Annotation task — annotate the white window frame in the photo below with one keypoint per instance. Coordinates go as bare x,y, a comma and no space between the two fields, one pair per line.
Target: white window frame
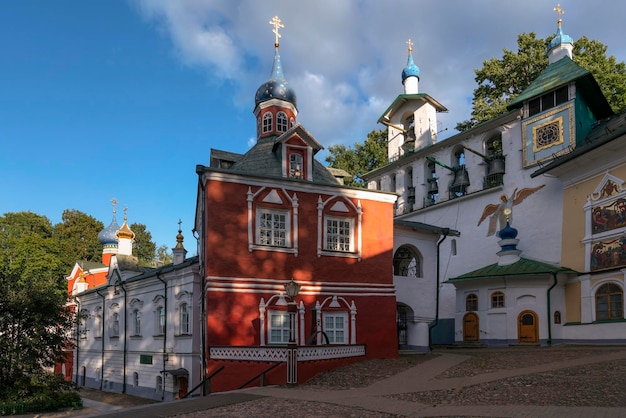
137,322
115,325
260,212
281,122
267,122
282,328
185,318
337,247
332,331
296,165
159,328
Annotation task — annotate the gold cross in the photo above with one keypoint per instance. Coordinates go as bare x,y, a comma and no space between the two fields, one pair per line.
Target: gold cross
559,12
410,44
277,25
179,223
114,202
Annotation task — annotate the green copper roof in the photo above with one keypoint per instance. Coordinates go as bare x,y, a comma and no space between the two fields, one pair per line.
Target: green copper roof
523,267
403,98
559,74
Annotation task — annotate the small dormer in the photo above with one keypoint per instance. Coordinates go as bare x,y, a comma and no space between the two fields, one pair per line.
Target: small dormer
296,149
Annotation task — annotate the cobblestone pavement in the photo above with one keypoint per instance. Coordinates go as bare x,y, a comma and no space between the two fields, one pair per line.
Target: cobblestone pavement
557,381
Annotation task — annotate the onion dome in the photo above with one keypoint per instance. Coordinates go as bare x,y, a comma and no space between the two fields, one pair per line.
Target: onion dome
411,70
560,39
107,235
125,232
276,87
508,232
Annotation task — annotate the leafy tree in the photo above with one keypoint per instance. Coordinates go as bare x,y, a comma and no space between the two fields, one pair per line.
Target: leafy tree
77,237
164,255
361,158
35,323
501,80
143,248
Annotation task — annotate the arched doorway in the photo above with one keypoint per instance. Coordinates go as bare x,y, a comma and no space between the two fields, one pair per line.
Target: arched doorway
527,328
404,315
470,327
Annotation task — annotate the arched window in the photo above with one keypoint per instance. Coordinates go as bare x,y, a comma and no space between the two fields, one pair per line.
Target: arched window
159,384
267,122
497,300
495,162
609,302
557,317
137,322
407,262
471,302
135,379
281,122
184,319
115,325
461,177
160,321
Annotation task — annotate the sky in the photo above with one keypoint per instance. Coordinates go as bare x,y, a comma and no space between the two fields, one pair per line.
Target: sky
123,98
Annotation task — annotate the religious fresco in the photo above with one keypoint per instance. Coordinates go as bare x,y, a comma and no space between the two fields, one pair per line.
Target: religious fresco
609,216
611,253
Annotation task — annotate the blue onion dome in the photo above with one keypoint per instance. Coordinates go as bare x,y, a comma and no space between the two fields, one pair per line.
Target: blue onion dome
107,235
411,70
276,87
560,39
508,232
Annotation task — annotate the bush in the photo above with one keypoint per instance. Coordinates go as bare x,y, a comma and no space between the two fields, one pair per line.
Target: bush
42,392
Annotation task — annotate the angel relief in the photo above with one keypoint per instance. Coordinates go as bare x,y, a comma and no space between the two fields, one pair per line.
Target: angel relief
496,214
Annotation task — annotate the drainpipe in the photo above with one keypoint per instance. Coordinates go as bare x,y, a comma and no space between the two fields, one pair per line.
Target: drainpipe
164,332
445,232
549,310
102,338
201,241
77,301
121,283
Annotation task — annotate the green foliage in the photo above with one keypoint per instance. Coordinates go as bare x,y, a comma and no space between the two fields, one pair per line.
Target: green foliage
501,80
77,238
361,158
49,393
143,248
164,255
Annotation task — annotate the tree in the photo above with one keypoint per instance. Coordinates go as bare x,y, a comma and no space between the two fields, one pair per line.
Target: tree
164,255
143,248
501,80
35,322
77,237
361,158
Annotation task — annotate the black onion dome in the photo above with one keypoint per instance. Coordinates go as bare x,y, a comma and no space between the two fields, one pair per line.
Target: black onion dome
276,87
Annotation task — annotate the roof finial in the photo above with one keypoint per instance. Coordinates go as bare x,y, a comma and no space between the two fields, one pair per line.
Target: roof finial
277,25
125,210
114,202
559,12
179,237
410,44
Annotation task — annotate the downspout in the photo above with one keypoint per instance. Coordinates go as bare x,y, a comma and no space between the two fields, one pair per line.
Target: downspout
200,245
445,232
77,335
549,309
102,338
121,283
164,332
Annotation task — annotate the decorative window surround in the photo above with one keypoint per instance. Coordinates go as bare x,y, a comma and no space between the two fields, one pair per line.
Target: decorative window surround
277,304
336,302
291,222
341,210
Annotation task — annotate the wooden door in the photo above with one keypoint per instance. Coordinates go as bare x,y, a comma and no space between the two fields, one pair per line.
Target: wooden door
527,328
182,387
470,327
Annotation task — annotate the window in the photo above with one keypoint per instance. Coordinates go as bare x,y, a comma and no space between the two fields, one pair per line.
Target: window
548,101
471,302
279,327
159,384
160,321
184,319
339,234
115,325
267,122
296,169
497,300
281,122
272,228
557,317
407,262
135,379
609,302
137,322
393,183
335,327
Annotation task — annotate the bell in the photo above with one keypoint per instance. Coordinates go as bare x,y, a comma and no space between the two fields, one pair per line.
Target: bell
433,187
496,166
461,179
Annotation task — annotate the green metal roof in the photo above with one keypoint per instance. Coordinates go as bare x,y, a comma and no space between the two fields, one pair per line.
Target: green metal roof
523,267
403,98
559,74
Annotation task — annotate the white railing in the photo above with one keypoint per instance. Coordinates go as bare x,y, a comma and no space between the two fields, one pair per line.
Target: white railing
274,354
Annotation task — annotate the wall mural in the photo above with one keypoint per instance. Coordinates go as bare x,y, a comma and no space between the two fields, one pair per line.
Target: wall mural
609,214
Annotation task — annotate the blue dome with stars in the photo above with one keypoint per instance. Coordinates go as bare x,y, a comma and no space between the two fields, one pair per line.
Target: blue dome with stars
411,70
107,235
276,87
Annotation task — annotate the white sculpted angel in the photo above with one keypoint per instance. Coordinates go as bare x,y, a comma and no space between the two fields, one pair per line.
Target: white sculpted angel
496,211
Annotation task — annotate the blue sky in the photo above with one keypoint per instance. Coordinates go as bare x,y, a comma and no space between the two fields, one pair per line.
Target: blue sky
120,98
